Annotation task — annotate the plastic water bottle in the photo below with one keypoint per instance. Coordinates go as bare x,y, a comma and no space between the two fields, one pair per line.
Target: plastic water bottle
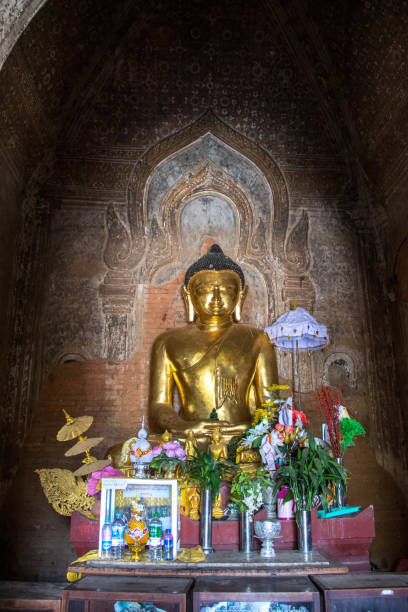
155,542
106,535
118,539
168,546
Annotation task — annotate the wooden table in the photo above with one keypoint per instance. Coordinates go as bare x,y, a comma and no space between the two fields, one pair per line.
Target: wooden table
297,591
99,593
31,596
376,591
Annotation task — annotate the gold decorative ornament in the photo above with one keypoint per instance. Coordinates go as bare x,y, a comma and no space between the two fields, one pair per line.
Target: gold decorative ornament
194,501
191,444
74,427
91,466
218,448
65,492
217,509
84,444
136,533
191,555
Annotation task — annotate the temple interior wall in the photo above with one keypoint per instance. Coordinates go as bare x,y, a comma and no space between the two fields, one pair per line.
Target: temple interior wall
181,131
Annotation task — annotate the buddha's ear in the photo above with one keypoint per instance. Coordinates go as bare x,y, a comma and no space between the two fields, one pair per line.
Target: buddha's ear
240,303
188,304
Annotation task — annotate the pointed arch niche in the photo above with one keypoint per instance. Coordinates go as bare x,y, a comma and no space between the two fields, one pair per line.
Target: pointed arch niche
205,191
210,183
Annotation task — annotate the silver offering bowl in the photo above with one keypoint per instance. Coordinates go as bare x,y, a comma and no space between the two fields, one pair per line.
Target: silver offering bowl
267,531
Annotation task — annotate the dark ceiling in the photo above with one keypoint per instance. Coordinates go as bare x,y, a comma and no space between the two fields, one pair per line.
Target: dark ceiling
301,78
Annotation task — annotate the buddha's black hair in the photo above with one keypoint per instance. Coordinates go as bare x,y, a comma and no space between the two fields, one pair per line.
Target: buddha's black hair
214,260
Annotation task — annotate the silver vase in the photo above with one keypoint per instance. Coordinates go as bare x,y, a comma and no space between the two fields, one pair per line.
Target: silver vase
269,502
205,522
246,540
304,524
339,501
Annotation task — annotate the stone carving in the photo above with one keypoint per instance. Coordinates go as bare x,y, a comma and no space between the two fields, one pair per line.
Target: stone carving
339,371
118,292
205,179
299,289
297,251
118,245
124,251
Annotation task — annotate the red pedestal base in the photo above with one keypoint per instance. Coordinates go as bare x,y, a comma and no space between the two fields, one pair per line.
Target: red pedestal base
344,539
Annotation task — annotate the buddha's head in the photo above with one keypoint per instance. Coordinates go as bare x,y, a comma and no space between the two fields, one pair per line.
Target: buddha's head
214,288
216,436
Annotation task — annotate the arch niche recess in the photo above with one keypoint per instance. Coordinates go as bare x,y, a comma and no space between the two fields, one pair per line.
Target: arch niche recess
209,181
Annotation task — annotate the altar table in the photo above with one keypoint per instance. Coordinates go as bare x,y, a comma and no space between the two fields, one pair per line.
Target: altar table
344,539
221,563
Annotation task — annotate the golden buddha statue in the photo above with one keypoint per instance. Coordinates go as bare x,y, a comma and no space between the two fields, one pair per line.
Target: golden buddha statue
215,362
191,444
217,447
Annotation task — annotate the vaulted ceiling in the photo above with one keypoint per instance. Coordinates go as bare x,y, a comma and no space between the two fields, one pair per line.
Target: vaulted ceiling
89,74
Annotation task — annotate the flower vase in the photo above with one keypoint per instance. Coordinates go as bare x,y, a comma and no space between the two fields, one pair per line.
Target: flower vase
339,501
246,542
304,525
205,522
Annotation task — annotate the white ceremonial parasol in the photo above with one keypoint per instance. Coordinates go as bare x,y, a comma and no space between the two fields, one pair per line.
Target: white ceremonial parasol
297,331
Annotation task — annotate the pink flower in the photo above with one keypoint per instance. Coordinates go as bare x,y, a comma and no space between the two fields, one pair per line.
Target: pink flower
173,449
281,436
288,429
279,427
181,454
170,448
95,478
157,450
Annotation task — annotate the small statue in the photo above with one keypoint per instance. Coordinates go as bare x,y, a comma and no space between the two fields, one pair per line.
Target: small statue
249,459
190,444
194,505
166,437
217,509
218,448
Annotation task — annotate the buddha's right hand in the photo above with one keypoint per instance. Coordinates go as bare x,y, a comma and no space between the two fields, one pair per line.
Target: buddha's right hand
203,429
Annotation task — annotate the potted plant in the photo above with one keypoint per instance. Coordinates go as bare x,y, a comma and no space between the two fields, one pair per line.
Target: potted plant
307,473
207,473
169,460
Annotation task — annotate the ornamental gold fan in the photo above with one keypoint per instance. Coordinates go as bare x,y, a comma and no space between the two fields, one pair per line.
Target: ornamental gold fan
84,444
93,466
73,427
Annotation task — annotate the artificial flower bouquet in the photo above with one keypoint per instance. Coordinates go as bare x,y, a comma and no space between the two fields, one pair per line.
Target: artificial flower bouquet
275,424
247,490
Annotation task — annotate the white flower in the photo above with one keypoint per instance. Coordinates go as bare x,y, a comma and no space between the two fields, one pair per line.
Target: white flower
254,499
255,432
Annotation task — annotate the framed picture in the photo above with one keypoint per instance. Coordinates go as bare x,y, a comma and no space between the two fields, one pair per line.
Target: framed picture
157,496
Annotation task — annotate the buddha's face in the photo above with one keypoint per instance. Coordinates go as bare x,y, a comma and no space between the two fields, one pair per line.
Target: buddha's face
214,293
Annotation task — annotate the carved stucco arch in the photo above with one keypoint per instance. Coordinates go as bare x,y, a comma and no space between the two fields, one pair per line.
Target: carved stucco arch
143,169
208,179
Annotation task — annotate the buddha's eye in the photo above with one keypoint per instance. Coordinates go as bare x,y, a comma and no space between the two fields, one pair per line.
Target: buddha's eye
230,289
203,289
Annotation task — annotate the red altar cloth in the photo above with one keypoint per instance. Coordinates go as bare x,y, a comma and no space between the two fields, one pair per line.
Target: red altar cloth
345,539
